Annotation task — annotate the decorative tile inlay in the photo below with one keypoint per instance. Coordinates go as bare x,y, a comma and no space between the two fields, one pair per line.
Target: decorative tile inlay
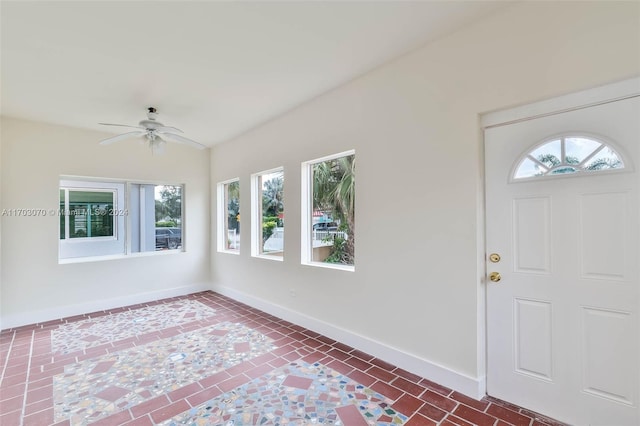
90,390
295,394
79,335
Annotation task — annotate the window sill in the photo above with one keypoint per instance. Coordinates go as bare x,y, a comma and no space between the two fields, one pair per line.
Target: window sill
270,257
87,259
349,268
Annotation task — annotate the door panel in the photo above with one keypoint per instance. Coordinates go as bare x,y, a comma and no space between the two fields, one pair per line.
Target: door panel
563,328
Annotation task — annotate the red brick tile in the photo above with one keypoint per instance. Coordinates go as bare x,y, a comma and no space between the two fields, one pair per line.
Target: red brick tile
262,359
418,420
383,364
10,418
149,406
279,362
291,356
240,368
214,379
362,378
452,420
435,387
312,343
358,363
350,415
474,416
12,391
381,374
439,401
297,382
314,357
204,396
407,386
41,418
407,375
39,394
326,340
338,354
432,412
508,415
259,371
283,350
169,411
114,419
36,406
298,336
478,405
233,383
362,355
387,390
407,405
12,404
342,347
184,391
340,367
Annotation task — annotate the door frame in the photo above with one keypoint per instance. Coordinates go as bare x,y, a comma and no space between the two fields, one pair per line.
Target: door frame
599,95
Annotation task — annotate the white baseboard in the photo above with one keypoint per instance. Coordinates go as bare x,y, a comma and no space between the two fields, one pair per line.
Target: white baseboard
33,317
473,387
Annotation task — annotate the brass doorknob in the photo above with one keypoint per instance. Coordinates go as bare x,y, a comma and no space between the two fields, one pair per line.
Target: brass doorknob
495,277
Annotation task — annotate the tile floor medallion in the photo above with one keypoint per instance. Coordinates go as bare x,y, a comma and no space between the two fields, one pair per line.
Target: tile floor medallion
96,388
296,394
80,335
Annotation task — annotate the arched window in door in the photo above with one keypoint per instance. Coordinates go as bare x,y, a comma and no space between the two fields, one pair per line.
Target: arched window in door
567,155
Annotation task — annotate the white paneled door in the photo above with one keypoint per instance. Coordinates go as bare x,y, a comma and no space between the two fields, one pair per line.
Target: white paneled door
563,299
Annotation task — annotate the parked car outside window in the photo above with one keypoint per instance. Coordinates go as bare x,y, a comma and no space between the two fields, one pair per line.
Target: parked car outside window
168,238
325,226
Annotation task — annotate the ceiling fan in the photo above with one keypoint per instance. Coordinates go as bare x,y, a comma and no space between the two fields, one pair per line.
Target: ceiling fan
154,131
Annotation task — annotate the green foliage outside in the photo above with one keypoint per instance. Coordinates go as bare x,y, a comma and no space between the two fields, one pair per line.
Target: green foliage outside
166,224
169,205
550,161
334,191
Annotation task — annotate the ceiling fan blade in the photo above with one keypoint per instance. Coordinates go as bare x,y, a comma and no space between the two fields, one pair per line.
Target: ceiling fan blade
183,140
122,136
121,125
166,129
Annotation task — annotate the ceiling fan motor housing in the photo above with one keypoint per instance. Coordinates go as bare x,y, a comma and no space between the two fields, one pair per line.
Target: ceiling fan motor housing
152,113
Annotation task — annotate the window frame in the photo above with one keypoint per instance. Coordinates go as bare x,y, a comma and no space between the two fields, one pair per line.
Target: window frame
72,249
306,210
580,172
222,214
68,249
257,246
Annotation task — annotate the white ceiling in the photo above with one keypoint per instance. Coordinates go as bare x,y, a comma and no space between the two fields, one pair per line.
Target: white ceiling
213,69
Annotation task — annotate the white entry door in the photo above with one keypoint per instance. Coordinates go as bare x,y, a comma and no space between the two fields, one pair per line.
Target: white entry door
563,326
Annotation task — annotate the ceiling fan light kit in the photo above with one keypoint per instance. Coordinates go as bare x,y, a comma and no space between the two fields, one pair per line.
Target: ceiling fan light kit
156,133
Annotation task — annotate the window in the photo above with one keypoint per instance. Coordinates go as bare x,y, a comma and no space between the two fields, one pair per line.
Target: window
156,217
328,213
267,214
92,219
229,216
96,219
568,155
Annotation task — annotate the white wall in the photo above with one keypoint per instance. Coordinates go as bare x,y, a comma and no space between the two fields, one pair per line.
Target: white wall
34,286
416,296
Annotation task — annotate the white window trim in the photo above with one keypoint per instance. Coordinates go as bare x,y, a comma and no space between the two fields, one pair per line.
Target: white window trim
606,143
306,209
256,216
82,182
222,216
69,248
